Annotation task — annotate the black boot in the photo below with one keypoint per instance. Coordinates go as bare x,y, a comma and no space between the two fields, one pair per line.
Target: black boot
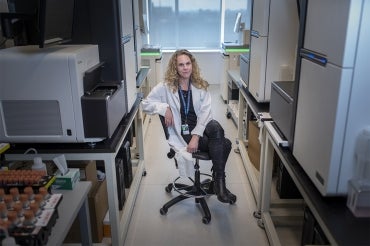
223,194
231,196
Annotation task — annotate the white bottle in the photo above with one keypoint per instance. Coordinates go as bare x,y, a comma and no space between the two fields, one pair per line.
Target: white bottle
38,164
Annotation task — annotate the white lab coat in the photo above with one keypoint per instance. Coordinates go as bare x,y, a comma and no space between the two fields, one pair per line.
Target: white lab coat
161,97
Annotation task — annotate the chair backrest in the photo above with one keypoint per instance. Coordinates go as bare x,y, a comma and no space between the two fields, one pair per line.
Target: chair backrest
165,129
171,153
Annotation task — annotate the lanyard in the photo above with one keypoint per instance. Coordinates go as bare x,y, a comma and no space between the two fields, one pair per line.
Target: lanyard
187,104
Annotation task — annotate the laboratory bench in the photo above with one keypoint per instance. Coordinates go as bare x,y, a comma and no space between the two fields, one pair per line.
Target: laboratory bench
74,203
71,204
144,86
105,151
232,102
332,221
249,109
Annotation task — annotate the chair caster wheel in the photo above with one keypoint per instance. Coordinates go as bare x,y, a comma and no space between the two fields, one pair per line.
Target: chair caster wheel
168,188
163,211
144,173
257,214
206,220
228,115
232,200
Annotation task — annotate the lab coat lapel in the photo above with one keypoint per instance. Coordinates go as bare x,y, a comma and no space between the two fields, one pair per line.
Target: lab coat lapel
174,101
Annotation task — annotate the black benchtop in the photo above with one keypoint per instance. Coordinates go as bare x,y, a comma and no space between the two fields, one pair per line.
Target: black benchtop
141,75
257,107
342,224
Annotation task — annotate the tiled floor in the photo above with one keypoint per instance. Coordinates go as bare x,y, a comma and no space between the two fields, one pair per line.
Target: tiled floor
231,224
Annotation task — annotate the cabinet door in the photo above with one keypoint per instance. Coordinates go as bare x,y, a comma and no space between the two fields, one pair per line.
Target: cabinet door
260,16
128,46
257,69
332,29
322,108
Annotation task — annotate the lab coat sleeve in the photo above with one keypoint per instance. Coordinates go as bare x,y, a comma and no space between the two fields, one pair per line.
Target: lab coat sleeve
155,102
204,114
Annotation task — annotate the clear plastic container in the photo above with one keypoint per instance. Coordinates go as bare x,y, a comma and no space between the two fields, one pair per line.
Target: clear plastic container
358,200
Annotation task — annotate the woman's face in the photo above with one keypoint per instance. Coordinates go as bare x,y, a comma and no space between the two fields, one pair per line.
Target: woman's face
184,66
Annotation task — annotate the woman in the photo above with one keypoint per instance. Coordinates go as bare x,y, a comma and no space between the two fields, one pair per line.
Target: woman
185,103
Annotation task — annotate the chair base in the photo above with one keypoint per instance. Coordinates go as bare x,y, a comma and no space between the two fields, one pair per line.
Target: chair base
205,187
199,191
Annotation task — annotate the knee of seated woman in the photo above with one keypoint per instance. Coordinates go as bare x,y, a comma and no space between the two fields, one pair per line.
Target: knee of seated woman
214,130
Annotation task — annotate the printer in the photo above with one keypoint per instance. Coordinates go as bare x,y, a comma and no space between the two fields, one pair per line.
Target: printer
55,95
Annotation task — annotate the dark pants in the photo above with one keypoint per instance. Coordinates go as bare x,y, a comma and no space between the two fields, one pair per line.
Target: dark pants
215,143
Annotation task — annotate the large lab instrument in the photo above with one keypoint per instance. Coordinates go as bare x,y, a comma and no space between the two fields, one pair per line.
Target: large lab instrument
333,96
55,95
273,45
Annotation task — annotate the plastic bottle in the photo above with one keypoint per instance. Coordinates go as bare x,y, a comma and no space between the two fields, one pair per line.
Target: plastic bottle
38,164
358,200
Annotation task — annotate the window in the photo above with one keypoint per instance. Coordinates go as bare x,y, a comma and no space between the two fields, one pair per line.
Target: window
232,8
193,24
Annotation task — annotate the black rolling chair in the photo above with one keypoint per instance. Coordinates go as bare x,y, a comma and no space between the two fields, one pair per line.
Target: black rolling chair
198,189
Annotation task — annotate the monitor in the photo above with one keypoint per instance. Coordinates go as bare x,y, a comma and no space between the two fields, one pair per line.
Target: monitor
99,22
38,22
55,21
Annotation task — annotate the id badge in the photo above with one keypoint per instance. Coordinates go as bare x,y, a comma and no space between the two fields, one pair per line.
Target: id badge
185,129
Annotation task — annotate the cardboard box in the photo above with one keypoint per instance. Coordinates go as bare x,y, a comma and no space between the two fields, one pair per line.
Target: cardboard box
98,207
106,225
68,181
254,146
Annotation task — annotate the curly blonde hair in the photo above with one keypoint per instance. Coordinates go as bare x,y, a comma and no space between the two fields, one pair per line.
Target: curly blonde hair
172,76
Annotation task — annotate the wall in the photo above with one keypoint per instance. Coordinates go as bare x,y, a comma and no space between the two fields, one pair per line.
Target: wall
210,64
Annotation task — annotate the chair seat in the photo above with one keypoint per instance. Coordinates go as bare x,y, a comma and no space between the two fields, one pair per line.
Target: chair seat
201,156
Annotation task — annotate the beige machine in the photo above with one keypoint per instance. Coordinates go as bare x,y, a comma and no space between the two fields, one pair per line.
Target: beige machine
55,95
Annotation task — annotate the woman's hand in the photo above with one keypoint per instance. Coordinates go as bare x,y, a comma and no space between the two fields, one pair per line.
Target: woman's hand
193,144
168,117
